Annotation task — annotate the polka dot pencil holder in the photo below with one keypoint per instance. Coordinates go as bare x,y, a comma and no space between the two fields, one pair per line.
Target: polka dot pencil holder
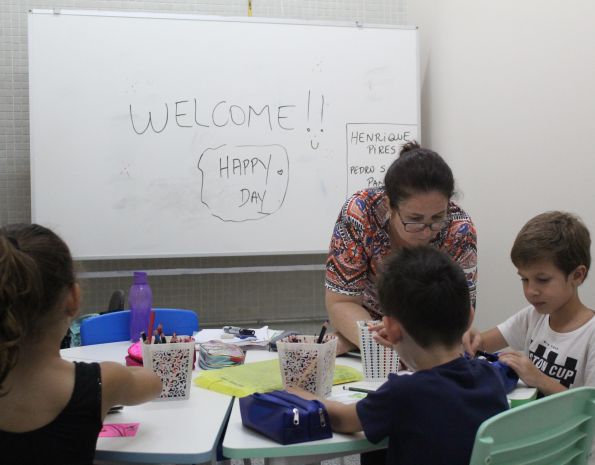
305,363
174,364
377,360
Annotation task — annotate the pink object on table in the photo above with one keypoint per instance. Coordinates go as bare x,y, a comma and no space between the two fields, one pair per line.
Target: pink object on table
135,352
131,362
118,430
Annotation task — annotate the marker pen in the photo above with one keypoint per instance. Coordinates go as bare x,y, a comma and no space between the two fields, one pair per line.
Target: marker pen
356,389
238,331
488,356
115,408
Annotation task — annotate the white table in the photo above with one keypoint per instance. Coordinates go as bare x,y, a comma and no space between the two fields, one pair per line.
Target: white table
241,443
176,431
188,431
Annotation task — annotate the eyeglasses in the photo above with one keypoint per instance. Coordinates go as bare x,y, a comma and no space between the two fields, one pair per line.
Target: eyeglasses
415,227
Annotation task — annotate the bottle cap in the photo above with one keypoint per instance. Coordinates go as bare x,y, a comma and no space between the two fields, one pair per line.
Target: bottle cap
140,277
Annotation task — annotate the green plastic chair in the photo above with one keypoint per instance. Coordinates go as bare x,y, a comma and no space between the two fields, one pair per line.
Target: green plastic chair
554,430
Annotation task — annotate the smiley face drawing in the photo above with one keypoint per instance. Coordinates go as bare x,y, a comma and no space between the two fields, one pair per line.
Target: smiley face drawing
314,135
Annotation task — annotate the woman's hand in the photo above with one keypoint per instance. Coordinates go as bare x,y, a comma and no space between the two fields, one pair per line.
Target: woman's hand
379,334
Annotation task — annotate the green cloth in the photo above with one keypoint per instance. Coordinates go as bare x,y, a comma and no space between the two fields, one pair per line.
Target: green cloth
243,380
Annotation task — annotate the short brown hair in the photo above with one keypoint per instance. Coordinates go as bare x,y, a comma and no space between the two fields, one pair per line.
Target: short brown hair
557,236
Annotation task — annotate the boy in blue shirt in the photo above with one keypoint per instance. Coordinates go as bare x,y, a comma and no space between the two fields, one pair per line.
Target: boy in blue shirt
430,417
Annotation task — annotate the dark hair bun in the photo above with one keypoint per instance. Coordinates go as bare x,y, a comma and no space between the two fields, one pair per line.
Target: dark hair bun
417,170
409,146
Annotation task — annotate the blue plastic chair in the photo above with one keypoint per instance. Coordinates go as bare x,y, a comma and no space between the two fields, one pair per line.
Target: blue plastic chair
554,430
115,326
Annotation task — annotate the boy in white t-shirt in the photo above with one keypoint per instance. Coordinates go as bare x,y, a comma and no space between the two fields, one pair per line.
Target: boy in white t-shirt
553,339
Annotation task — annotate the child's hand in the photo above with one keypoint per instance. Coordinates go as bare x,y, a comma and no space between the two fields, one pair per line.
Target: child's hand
472,341
530,374
302,393
520,363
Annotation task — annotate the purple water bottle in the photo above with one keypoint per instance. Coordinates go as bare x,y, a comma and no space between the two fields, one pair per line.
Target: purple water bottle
140,299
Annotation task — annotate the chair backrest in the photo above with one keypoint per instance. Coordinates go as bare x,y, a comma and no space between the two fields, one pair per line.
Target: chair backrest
117,301
554,430
115,326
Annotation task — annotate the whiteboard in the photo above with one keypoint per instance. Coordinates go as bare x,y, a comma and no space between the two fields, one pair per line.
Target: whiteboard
156,135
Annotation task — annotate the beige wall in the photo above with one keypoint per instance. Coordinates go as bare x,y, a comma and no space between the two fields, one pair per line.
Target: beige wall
508,97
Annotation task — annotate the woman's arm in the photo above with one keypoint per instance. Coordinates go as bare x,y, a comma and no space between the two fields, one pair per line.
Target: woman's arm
344,311
462,246
127,385
347,268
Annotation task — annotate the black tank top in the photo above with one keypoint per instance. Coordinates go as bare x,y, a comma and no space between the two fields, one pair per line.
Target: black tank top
70,439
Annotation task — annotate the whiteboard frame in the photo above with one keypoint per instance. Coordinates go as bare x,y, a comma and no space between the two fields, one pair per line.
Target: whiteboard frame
231,19
218,18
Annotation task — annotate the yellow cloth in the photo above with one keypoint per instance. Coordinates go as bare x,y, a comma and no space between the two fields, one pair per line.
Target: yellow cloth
243,380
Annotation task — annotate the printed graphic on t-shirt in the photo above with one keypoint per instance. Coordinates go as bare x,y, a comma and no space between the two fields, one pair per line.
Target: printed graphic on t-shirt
565,374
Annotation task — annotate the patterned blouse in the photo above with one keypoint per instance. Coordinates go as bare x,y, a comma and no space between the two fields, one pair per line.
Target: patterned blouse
361,241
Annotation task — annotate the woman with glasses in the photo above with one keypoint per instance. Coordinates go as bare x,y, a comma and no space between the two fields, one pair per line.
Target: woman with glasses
414,207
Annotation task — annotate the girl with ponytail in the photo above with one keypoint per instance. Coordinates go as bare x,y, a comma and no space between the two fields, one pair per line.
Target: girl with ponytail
51,410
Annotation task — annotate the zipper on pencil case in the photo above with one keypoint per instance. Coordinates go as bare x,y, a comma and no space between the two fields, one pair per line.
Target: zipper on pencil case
274,400
303,403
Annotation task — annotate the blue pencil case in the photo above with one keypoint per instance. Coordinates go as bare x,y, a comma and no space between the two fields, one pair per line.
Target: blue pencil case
508,376
285,418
